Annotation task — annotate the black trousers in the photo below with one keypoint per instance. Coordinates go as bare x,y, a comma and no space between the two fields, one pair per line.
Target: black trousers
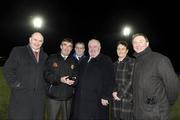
54,107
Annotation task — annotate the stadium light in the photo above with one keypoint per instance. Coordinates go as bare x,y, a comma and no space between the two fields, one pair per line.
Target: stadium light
126,31
37,22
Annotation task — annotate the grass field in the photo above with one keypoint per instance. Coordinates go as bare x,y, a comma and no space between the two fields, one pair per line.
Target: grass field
4,97
4,100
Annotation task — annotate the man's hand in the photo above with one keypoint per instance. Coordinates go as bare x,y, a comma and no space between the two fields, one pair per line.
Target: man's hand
66,80
114,94
104,102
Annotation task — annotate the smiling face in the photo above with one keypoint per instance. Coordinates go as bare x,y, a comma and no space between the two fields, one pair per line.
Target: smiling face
36,40
79,49
139,43
94,48
122,51
66,48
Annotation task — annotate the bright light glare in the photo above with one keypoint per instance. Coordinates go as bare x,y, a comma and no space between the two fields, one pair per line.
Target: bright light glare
37,22
126,31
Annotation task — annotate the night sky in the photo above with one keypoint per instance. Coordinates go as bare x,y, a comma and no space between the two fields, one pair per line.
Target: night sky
82,21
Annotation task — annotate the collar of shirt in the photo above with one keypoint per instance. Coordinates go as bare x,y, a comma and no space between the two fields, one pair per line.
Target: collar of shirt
65,57
78,57
35,50
121,59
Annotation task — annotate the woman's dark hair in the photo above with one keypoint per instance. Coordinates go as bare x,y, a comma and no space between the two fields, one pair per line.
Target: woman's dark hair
124,43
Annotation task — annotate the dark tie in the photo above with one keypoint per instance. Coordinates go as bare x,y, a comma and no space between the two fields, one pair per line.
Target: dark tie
36,55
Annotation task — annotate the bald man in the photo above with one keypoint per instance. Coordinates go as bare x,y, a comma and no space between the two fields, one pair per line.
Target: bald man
23,72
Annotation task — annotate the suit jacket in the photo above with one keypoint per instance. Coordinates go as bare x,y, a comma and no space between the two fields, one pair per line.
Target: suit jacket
22,71
25,77
78,60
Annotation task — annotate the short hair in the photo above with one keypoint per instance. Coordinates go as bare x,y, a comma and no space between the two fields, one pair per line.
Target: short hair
140,34
82,43
96,40
123,42
67,40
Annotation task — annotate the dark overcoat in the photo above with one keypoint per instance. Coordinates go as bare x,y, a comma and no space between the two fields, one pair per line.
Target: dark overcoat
25,77
155,86
96,81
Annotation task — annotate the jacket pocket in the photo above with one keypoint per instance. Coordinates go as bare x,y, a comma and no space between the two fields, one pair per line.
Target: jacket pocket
150,107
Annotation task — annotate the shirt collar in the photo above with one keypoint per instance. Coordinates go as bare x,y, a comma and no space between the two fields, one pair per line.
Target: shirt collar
78,57
35,50
65,57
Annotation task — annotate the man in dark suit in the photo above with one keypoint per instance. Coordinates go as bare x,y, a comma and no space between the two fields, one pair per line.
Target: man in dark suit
24,73
95,85
59,68
79,51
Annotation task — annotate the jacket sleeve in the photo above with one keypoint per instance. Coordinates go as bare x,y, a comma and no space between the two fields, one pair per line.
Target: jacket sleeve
51,72
10,69
170,80
108,80
75,73
127,90
115,87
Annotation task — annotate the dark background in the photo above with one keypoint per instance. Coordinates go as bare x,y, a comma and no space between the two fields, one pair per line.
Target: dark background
82,21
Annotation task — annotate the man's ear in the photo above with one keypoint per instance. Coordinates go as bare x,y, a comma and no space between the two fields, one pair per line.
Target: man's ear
30,39
127,50
147,43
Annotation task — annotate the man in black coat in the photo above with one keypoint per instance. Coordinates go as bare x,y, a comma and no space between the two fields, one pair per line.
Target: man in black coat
95,85
60,74
79,51
24,73
155,84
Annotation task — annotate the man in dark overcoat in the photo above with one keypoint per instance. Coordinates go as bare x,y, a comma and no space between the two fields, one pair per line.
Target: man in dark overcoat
155,83
23,71
95,85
